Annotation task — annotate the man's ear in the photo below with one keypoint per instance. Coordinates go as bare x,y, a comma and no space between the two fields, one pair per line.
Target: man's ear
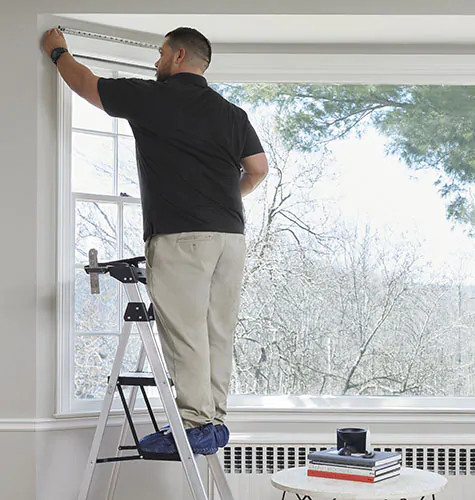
180,56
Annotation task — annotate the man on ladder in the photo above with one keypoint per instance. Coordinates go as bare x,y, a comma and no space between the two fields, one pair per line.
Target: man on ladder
197,155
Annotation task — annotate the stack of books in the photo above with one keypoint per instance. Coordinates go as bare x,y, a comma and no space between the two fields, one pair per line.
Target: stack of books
357,467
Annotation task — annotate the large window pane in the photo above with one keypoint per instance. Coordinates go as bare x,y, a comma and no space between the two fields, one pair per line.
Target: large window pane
128,176
96,227
89,117
96,313
93,359
92,164
356,283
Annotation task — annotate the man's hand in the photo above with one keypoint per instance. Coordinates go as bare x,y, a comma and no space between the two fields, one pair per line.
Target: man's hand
53,39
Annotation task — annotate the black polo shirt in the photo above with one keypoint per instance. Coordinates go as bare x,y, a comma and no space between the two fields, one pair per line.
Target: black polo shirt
189,143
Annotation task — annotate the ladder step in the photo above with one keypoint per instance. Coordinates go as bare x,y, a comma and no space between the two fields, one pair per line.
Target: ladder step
117,459
137,378
144,379
144,455
169,457
149,455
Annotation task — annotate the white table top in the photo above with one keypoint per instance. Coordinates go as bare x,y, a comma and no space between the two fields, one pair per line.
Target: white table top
411,483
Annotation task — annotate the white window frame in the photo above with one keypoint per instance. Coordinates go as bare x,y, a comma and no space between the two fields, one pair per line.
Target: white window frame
252,65
66,404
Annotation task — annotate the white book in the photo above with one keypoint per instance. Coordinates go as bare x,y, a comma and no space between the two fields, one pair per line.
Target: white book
360,471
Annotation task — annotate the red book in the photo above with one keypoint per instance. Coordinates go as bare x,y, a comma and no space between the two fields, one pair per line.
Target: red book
351,477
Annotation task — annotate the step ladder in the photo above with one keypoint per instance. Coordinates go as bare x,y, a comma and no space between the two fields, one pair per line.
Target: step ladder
128,272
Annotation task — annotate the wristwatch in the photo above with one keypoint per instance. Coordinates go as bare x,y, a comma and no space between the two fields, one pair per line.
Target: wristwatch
56,54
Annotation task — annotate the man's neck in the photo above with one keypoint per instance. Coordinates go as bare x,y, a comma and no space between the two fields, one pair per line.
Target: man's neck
193,71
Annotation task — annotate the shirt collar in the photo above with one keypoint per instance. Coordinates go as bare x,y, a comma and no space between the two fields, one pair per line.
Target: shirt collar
190,78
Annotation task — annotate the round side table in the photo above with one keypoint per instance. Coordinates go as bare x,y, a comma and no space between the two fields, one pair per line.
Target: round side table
411,483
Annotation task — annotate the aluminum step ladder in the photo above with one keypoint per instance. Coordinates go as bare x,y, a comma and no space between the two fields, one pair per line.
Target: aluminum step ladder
128,272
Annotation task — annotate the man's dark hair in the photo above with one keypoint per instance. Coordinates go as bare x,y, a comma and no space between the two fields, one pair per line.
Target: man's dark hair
193,41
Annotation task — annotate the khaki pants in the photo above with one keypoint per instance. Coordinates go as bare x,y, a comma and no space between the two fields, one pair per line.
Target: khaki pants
194,280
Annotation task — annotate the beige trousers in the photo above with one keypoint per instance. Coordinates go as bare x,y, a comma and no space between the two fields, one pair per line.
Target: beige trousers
194,280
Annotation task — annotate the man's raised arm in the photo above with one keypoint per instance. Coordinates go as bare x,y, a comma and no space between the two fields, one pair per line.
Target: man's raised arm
78,77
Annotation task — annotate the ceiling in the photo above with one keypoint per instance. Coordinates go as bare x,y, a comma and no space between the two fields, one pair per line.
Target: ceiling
364,29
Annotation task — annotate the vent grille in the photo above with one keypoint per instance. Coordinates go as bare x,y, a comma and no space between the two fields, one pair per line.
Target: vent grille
268,459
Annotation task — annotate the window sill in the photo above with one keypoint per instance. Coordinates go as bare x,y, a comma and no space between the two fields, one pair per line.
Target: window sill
323,409
336,404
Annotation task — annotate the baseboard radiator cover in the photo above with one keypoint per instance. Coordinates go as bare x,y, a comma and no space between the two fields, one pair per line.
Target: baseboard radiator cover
268,459
249,467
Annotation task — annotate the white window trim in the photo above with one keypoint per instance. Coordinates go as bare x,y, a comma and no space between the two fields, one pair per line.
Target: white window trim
250,66
65,403
294,63
65,317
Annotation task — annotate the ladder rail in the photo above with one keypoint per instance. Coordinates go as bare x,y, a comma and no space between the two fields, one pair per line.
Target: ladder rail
103,417
123,432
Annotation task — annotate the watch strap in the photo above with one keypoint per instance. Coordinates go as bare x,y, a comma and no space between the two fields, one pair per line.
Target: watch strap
56,54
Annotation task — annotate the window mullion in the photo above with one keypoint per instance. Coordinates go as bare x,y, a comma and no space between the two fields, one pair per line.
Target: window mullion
120,252
116,157
97,133
120,217
106,198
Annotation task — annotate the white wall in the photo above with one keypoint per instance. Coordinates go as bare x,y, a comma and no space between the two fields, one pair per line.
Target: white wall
48,465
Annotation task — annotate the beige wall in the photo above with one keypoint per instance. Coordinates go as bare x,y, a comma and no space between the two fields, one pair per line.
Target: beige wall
27,224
